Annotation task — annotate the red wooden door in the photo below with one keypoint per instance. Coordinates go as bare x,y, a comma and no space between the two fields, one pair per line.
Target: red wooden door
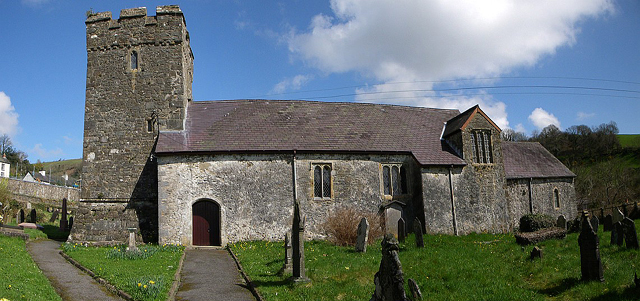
206,224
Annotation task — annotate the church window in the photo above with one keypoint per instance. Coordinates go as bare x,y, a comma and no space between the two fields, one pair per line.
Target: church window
134,60
394,180
556,198
149,125
322,181
481,146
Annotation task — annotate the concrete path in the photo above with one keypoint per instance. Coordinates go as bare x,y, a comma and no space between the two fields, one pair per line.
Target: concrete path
210,274
70,283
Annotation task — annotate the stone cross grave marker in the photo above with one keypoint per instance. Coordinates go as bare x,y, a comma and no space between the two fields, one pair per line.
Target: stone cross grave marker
617,215
608,223
64,226
132,239
402,230
595,223
417,229
287,267
561,222
363,234
617,235
590,262
389,280
630,234
54,216
33,216
297,243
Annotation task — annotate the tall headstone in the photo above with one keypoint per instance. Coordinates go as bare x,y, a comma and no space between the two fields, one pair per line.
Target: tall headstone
617,234
363,234
624,209
617,215
33,216
608,223
389,280
561,222
297,243
595,223
287,267
417,229
70,222
402,230
64,226
590,262
630,234
54,216
20,217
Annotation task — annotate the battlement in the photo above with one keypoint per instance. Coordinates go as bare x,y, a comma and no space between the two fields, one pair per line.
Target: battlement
138,12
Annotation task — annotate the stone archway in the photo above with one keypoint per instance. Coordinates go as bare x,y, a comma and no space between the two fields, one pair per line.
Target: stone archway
206,223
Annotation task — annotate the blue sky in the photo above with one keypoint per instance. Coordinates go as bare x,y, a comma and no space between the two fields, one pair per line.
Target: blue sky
527,63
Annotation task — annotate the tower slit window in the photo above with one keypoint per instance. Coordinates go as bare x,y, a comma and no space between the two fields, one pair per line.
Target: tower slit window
134,60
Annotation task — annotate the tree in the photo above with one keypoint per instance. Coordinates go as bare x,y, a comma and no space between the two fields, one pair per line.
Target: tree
511,135
5,144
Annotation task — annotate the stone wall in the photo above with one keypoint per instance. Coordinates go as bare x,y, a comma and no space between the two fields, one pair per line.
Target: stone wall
542,191
33,192
255,192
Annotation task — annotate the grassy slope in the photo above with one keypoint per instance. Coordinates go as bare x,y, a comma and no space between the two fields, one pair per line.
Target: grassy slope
473,267
629,140
20,278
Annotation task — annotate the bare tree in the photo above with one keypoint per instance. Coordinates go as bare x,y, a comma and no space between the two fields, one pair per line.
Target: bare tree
5,144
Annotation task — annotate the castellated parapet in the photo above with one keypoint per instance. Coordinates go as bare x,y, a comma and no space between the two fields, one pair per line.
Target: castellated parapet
139,77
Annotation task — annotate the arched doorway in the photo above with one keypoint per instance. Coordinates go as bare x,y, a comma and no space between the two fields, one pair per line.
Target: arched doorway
206,223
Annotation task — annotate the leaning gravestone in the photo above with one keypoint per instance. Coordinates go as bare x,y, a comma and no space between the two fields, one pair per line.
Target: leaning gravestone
608,223
54,216
415,289
363,234
590,262
595,223
617,215
417,229
561,222
402,230
535,253
33,217
389,280
630,234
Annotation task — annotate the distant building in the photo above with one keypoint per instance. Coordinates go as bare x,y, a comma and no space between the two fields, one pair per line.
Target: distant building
5,167
36,177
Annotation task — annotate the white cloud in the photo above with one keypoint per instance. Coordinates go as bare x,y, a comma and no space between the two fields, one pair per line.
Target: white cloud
34,3
45,154
294,83
582,115
520,128
541,118
415,40
8,116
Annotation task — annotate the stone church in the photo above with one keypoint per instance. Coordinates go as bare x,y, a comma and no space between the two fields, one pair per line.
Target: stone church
214,172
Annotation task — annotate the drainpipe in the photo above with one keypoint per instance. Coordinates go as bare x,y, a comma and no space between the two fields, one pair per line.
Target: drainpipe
295,174
453,203
530,197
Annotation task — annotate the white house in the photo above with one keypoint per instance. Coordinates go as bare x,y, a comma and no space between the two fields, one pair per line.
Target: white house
5,167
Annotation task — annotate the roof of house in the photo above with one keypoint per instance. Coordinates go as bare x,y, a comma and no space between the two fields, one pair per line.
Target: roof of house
4,159
461,121
531,160
287,125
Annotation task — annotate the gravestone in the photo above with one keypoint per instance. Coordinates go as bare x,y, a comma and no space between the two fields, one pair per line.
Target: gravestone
287,267
33,216
54,216
595,223
535,253
617,235
297,243
389,280
635,212
601,213
415,290
624,210
70,222
561,222
608,223
20,216
630,234
590,262
363,234
132,240
617,215
417,229
402,230
64,226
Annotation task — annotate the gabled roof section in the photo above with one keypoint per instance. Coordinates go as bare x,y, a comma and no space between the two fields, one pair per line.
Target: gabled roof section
461,121
531,160
242,126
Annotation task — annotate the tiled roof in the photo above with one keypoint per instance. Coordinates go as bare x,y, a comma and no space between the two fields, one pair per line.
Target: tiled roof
287,125
455,124
531,160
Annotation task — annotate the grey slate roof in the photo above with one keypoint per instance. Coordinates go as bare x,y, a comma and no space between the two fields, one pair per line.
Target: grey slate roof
287,125
531,160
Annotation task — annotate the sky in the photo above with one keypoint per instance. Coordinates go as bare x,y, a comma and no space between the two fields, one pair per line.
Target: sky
528,64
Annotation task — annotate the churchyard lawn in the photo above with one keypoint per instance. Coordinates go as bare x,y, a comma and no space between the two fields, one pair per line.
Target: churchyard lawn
472,267
20,278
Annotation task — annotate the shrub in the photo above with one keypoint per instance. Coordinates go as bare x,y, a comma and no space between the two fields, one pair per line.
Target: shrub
342,226
535,222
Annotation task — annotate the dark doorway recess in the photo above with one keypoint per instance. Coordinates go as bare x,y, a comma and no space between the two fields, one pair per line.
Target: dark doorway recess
206,223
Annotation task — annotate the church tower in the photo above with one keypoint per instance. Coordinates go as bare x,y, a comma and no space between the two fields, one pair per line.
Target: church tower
139,76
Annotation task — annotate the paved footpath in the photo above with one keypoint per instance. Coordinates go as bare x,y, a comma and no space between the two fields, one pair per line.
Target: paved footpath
70,282
210,274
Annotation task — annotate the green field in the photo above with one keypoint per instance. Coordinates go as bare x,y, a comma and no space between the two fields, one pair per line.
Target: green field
472,267
629,140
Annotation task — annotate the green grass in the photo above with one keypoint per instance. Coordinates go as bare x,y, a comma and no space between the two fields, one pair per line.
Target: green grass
20,278
472,267
629,140
143,277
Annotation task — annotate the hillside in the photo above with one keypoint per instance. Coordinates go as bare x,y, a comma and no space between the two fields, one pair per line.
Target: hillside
629,141
72,168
